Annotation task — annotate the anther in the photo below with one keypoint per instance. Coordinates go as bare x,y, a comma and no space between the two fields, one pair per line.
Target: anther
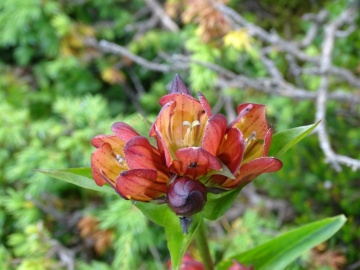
251,138
119,158
189,138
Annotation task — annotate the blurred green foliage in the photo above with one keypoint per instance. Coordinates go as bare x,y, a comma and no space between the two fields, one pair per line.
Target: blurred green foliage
57,93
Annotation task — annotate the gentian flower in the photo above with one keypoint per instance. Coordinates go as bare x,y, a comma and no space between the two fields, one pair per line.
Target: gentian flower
197,152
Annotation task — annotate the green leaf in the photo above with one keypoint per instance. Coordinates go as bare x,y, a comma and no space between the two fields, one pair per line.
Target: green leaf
81,177
154,212
177,241
284,140
281,251
218,204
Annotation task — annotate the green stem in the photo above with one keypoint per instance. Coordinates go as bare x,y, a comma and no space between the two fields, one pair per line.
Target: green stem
203,247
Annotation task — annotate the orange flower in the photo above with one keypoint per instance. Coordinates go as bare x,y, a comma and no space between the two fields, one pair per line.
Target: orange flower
129,163
247,158
196,143
196,152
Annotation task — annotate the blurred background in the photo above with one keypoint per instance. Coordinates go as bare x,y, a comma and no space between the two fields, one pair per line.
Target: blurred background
71,68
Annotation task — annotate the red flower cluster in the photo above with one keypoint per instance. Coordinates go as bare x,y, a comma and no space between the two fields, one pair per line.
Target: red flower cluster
196,151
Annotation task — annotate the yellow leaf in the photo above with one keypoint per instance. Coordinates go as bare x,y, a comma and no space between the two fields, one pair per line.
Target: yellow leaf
112,76
239,39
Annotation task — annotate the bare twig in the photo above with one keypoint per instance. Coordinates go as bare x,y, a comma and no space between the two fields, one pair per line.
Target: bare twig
106,46
317,20
271,67
325,64
166,21
66,255
295,70
143,26
275,83
137,83
272,38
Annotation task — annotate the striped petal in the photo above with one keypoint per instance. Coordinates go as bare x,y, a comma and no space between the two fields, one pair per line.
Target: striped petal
194,162
140,185
214,132
104,164
253,169
140,154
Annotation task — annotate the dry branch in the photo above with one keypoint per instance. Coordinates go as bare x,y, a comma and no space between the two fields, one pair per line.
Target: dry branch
275,83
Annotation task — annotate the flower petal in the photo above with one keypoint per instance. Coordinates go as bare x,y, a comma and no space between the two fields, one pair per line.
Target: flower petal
214,132
253,169
140,185
232,150
180,109
254,120
252,123
161,131
124,131
116,144
178,86
205,103
267,142
103,160
163,149
194,162
230,153
140,154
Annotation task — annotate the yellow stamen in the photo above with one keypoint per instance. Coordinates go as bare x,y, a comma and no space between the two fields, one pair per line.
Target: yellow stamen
119,158
251,138
190,134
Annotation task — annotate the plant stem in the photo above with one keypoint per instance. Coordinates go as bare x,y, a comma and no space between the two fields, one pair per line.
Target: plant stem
203,247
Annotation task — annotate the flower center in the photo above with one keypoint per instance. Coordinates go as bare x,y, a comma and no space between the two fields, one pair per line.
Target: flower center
190,134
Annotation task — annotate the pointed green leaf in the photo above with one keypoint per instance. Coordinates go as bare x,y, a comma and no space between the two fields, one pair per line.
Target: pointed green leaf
81,177
281,251
284,140
218,204
177,241
154,212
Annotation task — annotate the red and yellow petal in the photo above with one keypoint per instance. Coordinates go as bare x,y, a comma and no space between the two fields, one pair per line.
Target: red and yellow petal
140,185
205,104
252,169
140,154
124,131
116,144
180,108
231,153
232,149
267,142
161,127
214,132
103,161
253,120
194,162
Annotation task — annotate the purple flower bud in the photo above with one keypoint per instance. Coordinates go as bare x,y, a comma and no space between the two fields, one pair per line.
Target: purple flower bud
186,197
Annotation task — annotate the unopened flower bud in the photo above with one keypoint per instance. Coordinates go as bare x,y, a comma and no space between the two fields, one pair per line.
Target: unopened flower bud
186,197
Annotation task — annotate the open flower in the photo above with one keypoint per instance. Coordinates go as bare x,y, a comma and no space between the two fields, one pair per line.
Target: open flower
196,152
246,158
129,163
196,143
